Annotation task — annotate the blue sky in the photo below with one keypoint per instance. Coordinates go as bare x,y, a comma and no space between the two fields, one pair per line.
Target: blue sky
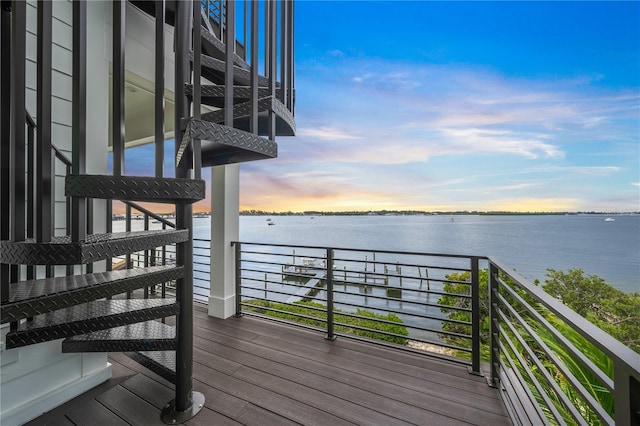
523,106
460,105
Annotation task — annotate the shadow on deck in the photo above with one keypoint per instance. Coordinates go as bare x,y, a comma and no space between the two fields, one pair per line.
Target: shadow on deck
259,372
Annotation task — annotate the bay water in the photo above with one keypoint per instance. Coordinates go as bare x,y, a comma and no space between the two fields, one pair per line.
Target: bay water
530,244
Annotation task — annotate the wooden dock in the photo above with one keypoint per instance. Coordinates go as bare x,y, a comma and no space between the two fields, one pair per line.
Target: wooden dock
304,290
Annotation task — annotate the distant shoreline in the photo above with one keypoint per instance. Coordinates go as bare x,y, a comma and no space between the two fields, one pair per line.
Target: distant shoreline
425,213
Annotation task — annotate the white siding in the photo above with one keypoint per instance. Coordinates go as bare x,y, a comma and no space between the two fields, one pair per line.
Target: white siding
37,378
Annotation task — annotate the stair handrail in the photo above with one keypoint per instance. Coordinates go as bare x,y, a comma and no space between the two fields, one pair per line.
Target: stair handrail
149,213
61,156
30,121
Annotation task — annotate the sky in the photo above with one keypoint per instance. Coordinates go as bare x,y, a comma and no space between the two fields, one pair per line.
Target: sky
450,106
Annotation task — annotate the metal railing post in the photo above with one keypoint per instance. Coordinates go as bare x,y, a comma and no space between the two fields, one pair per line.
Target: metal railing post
494,289
79,115
475,318
238,262
5,140
330,332
626,401
187,403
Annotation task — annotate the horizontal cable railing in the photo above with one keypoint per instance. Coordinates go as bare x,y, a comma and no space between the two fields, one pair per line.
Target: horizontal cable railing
551,365
566,368
164,255
388,297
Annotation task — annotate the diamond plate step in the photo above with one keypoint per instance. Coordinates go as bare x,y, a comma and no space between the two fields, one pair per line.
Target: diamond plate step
241,76
226,145
213,94
135,188
62,251
210,40
142,336
35,297
89,317
163,363
285,123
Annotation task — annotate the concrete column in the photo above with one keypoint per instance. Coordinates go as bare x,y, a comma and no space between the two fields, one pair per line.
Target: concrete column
225,225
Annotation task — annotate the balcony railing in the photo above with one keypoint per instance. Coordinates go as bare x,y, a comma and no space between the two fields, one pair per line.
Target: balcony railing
550,364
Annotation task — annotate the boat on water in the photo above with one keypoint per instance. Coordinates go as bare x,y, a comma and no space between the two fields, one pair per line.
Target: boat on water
271,223
609,219
305,266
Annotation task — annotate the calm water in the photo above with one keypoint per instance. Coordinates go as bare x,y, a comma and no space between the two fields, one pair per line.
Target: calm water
529,244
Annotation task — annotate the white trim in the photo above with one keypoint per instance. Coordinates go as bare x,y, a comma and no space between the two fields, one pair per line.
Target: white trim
222,307
29,410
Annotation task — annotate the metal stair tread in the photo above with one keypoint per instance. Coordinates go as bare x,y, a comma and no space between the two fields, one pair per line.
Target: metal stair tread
162,363
225,145
285,122
240,75
214,42
89,317
135,188
62,251
216,91
35,297
148,335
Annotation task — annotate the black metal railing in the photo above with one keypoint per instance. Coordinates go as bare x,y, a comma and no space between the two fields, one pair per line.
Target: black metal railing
543,352
388,297
164,255
550,364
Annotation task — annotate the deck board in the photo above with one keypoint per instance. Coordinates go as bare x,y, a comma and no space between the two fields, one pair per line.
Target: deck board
94,413
257,372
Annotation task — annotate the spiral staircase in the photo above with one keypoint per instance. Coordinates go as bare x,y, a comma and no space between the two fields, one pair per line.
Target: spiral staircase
95,311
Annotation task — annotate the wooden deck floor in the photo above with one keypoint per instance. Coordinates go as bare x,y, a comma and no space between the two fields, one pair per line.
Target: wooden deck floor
258,372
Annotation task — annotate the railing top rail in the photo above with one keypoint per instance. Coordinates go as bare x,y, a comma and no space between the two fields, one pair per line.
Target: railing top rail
400,252
599,338
149,213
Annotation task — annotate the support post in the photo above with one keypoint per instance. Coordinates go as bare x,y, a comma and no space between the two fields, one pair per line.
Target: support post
79,115
44,179
225,201
272,44
159,90
18,119
225,226
197,71
330,329
626,394
5,139
186,403
117,123
475,318
238,252
494,288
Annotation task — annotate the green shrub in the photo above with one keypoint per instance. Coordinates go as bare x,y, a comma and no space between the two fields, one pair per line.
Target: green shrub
314,314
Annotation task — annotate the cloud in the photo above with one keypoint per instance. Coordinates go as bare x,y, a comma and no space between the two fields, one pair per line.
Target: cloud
434,110
500,141
397,135
514,187
326,133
